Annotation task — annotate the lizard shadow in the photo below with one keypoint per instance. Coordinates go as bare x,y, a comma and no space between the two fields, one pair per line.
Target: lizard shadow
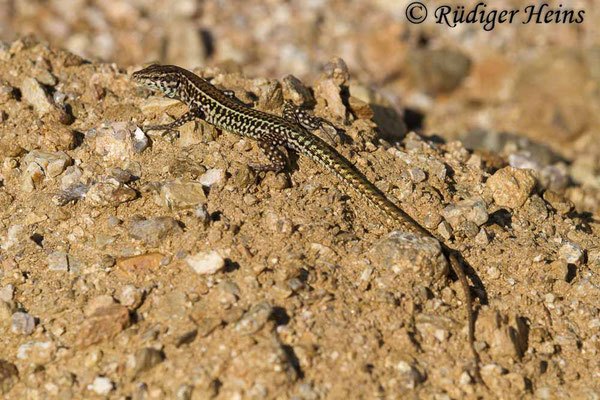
478,289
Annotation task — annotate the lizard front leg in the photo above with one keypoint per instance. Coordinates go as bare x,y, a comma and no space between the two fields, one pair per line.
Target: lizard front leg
191,115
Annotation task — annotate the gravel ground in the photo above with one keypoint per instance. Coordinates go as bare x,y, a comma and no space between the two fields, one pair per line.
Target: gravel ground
135,265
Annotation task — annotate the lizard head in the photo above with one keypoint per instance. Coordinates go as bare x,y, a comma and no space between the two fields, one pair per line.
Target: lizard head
159,77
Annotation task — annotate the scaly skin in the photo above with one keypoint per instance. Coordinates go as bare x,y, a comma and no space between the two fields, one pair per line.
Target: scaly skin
215,107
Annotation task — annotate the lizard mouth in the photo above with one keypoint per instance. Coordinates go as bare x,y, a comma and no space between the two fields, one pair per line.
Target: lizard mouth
144,75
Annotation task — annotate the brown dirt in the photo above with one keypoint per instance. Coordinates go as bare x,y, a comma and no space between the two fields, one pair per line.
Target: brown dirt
306,304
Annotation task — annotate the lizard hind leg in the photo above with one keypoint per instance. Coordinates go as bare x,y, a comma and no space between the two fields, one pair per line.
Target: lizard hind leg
276,156
301,116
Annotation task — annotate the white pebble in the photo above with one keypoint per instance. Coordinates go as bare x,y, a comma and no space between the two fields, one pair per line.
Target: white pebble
101,385
571,253
213,177
7,293
206,263
140,141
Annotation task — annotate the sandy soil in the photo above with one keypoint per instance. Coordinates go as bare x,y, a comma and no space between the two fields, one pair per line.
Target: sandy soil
135,265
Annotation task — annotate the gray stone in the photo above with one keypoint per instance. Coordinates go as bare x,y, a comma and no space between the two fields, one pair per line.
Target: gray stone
109,192
58,261
254,319
152,231
140,141
294,90
482,237
72,193
473,210
571,253
438,71
445,230
411,257
131,296
22,323
417,175
144,359
7,292
213,177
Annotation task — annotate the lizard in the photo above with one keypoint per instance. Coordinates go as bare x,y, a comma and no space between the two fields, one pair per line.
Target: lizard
292,130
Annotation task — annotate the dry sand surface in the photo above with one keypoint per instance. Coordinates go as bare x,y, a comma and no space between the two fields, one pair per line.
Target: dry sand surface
140,265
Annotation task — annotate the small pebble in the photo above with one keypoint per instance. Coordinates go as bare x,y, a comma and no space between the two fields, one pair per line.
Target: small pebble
131,297
53,164
34,94
410,376
153,231
72,193
184,392
105,323
206,263
410,256
549,298
116,141
571,253
6,311
511,187
470,210
37,352
295,90
58,261
213,177
71,176
7,292
493,272
101,386
417,175
254,319
97,303
140,141
22,323
465,378
45,77
445,230
180,194
482,237
13,237
109,192
144,359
